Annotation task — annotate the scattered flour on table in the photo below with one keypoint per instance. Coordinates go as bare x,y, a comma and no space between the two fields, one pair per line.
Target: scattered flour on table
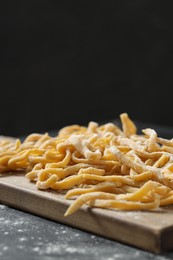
21,239
2,207
36,249
20,230
3,248
57,249
7,221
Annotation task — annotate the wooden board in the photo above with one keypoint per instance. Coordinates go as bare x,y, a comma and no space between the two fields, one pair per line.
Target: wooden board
152,231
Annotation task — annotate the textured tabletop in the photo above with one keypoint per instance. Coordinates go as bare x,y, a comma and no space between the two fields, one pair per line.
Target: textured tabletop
25,236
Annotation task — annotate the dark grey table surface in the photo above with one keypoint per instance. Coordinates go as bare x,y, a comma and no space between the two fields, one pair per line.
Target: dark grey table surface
26,236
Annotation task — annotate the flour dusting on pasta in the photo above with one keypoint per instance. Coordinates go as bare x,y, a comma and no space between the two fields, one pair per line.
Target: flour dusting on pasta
103,166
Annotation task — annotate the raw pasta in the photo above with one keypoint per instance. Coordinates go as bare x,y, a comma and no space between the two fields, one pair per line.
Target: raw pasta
98,165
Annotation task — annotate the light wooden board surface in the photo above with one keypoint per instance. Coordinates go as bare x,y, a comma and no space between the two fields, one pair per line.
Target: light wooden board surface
152,231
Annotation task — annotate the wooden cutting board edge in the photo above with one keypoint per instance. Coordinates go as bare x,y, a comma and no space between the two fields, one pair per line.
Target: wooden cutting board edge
90,220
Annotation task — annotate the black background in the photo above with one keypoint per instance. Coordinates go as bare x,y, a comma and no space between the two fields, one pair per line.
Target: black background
68,62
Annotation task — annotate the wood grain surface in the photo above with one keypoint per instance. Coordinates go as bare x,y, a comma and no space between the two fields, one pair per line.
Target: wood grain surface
152,231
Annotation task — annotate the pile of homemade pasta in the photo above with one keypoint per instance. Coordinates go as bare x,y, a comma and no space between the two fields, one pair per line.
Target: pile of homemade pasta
101,166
